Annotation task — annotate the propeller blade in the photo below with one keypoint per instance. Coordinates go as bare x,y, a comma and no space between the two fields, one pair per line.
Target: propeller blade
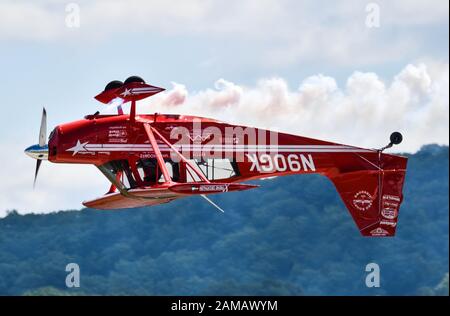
38,165
42,142
43,130
212,203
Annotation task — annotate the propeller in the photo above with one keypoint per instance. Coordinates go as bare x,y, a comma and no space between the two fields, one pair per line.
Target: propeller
40,150
42,139
43,130
38,165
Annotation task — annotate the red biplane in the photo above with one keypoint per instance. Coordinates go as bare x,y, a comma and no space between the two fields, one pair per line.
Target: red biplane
156,158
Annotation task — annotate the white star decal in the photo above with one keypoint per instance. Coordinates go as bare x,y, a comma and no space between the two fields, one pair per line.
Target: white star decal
126,92
78,147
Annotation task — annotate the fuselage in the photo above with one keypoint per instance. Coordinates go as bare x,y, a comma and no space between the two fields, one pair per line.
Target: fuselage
98,139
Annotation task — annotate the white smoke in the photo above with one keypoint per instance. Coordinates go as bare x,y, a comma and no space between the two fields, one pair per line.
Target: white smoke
364,112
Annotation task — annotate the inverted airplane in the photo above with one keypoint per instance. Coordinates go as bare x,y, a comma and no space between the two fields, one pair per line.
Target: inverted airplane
151,159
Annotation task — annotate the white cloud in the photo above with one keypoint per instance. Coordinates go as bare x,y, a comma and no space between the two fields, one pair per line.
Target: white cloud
286,31
414,12
27,20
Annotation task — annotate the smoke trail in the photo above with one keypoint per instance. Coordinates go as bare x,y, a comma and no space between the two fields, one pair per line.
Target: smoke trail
364,112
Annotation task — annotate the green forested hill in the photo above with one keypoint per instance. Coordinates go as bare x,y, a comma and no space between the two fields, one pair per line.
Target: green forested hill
293,236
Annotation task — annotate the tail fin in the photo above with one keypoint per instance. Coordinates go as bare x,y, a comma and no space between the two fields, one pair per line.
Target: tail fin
373,197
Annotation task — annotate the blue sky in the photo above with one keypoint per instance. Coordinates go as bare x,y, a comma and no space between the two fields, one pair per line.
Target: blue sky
259,48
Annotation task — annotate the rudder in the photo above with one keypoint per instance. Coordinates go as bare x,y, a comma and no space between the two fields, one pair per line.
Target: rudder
373,197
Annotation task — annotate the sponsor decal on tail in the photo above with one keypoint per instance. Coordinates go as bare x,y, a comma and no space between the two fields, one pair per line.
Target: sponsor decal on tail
373,197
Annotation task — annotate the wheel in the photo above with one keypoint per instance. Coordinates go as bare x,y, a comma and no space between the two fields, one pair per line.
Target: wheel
134,79
396,138
113,85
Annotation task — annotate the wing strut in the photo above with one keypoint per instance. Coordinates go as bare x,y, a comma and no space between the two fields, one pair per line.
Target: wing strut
159,158
121,188
114,181
201,175
133,111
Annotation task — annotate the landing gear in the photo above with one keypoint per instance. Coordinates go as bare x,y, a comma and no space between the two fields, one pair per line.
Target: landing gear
134,79
113,85
117,83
